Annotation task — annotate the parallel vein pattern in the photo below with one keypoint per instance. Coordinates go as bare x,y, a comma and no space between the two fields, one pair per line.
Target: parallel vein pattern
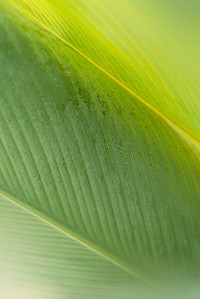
75,150
163,90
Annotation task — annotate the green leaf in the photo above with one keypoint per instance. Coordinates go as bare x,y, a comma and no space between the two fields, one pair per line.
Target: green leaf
99,140
40,262
125,43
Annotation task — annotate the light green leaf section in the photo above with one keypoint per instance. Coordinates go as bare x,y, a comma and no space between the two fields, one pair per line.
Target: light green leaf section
39,262
92,143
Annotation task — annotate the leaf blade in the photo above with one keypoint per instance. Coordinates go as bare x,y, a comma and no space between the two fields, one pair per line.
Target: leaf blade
52,129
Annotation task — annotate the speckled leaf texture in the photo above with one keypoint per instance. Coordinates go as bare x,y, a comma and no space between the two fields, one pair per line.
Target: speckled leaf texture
99,148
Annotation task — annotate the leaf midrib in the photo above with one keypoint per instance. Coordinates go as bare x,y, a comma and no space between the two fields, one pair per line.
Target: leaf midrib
188,137
76,237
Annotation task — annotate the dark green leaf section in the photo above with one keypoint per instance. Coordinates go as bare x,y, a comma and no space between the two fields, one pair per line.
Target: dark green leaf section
83,152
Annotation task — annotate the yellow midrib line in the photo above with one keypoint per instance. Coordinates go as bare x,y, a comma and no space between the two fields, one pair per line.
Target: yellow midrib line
75,237
184,134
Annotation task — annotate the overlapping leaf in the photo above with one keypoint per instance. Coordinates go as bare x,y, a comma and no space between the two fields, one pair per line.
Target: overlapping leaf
98,143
